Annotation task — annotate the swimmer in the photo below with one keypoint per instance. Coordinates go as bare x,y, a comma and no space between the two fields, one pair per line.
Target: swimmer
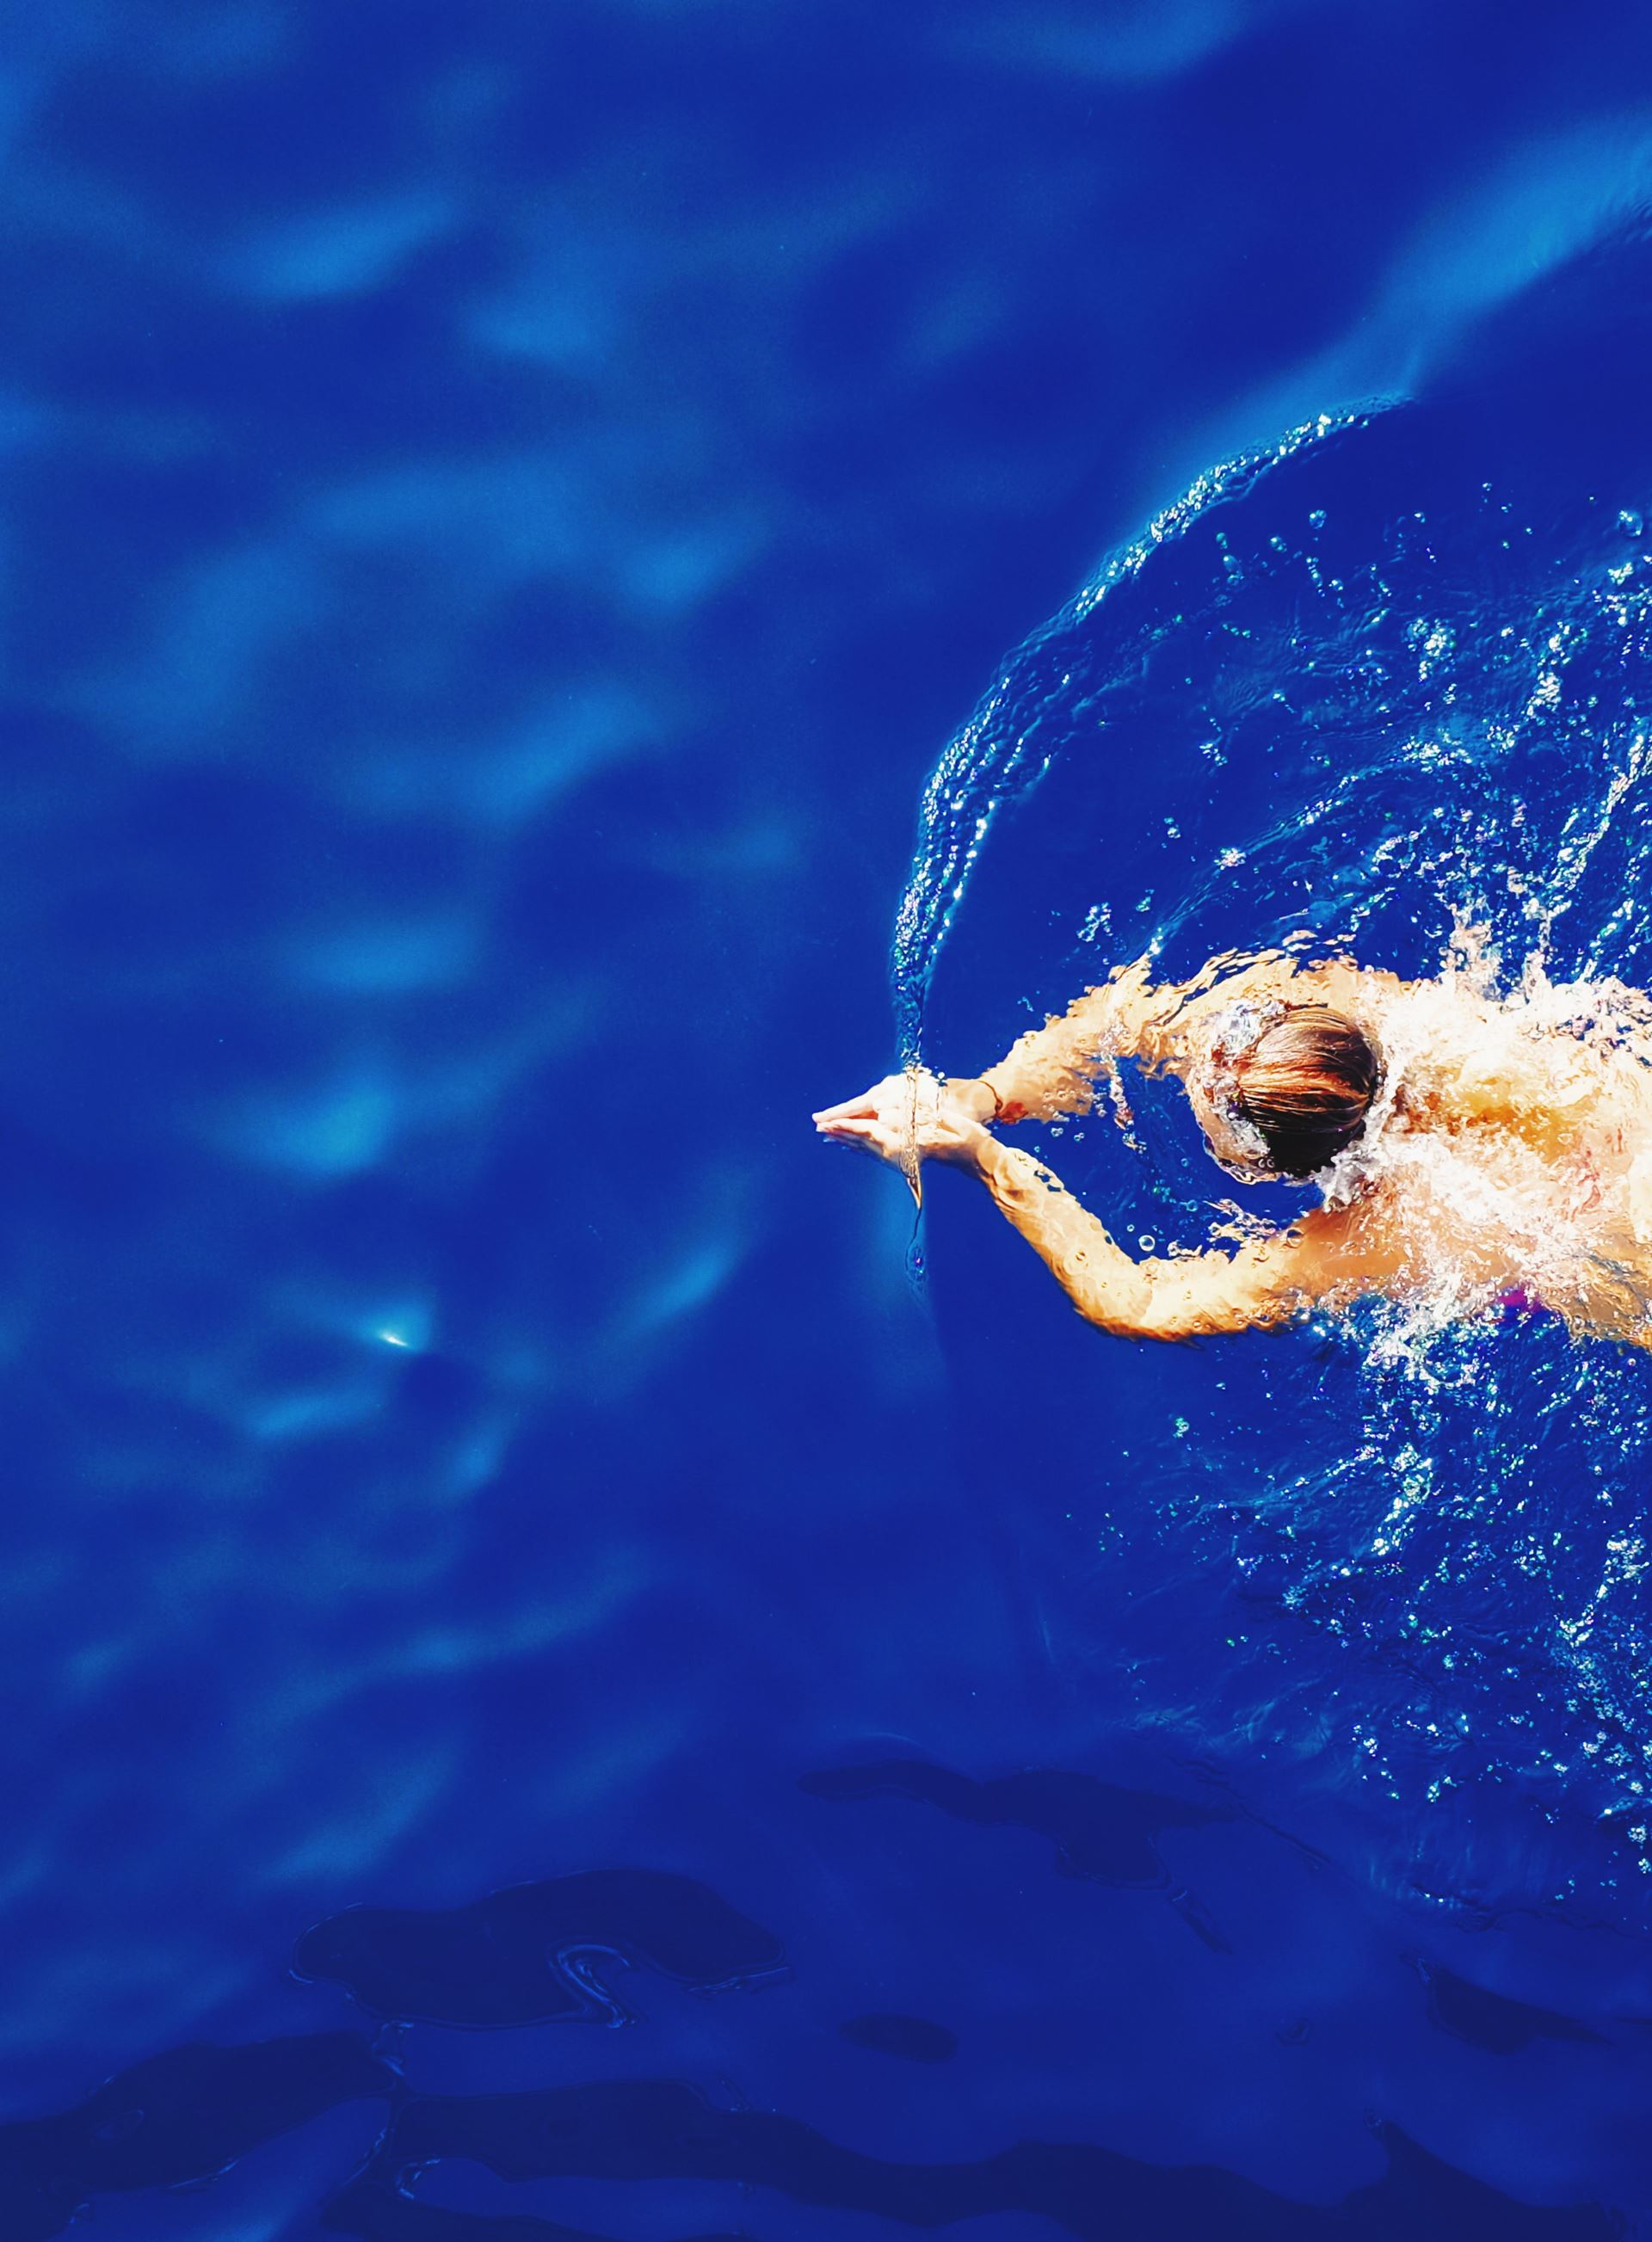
1470,1149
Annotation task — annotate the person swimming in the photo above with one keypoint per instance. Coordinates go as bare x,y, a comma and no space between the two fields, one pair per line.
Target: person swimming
1471,1148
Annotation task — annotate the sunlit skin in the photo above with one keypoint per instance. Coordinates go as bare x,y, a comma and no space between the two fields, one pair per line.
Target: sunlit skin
1510,1158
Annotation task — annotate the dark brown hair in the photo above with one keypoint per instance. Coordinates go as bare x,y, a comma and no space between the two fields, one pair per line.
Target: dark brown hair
1305,1083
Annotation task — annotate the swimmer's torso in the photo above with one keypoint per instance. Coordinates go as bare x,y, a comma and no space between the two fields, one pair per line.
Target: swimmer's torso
1510,1146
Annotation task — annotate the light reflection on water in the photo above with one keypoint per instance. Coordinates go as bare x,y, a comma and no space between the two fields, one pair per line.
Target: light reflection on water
499,503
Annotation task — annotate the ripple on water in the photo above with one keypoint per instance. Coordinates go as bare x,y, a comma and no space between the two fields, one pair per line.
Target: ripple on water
1390,680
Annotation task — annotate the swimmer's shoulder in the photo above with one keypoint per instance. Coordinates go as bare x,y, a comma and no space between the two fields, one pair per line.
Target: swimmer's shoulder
1180,1020
1363,993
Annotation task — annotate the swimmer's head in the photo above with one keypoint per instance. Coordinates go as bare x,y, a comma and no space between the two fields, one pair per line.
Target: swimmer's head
1304,1085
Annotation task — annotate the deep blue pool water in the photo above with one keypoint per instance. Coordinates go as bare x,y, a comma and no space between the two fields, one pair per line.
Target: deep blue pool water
553,1691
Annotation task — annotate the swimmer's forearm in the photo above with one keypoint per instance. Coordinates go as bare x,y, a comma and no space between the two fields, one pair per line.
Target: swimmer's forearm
1052,1070
1097,1276
1196,1296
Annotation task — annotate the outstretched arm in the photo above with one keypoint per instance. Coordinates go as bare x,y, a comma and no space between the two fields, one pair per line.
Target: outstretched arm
1331,1253
1052,1070
1271,1281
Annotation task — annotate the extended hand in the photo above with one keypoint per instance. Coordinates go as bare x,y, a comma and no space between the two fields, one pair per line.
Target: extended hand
903,1120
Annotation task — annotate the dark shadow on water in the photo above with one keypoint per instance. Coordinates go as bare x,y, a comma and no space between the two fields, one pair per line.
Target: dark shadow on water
174,2118
1101,1832
184,2117
531,1952
913,2038
377,2212
660,2129
1491,2021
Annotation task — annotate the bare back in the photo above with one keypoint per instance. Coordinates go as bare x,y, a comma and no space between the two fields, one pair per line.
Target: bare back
1509,1150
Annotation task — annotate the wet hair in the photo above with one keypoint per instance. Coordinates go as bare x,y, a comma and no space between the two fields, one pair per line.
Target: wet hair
1304,1085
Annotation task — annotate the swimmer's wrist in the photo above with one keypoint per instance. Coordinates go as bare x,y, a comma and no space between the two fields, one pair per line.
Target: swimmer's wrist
984,1101
974,1150
971,1095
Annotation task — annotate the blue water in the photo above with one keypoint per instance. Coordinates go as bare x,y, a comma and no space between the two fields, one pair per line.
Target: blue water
553,1690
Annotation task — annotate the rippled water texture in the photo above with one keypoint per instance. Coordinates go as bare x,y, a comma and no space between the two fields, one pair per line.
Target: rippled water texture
548,1693
1388,683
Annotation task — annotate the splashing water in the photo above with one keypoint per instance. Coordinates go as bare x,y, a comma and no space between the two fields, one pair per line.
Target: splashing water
1385,689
